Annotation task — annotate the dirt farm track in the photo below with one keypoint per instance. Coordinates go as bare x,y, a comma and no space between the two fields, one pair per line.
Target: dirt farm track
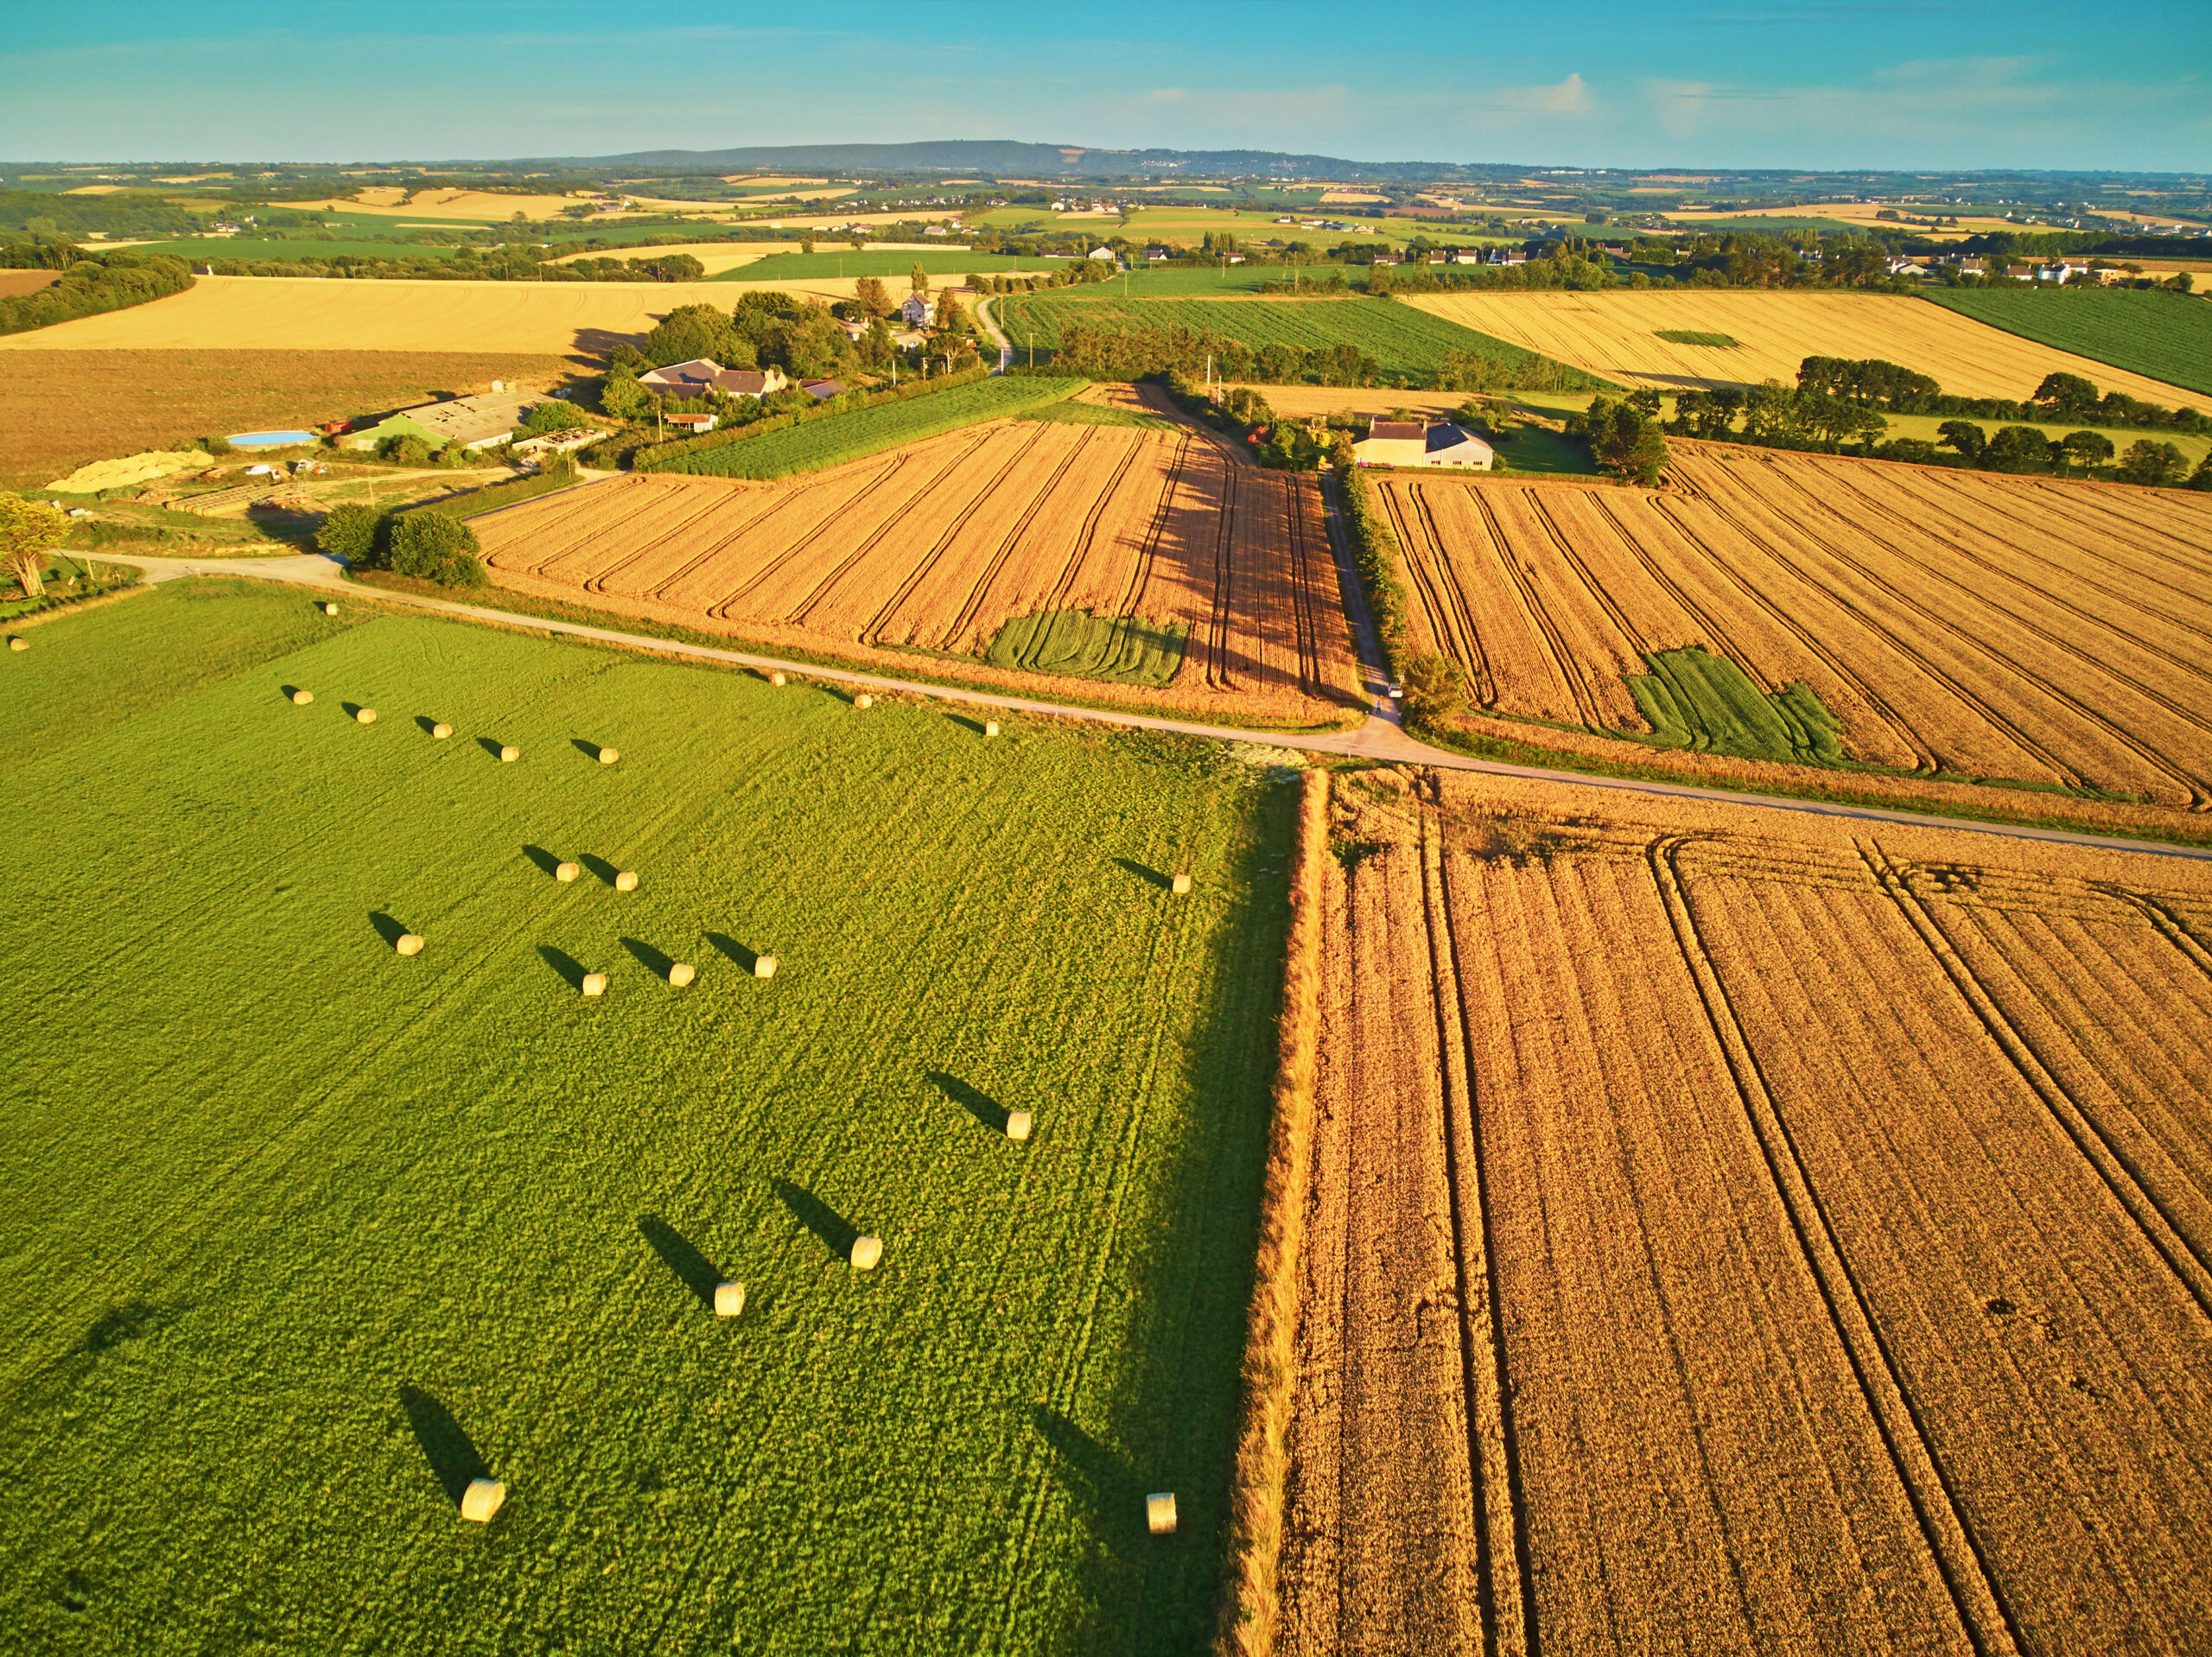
1748,1235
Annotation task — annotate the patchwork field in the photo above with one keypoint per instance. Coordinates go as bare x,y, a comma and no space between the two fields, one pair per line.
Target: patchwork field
302,1234
936,547
1807,609
2166,335
1750,1233
1617,334
60,410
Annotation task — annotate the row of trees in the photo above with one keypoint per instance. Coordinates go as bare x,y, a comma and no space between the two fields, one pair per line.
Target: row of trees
87,287
426,545
1137,351
1873,383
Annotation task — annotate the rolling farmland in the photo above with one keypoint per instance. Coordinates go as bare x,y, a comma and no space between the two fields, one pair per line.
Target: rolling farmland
2166,336
936,546
1934,621
819,443
1617,336
1735,1234
338,1228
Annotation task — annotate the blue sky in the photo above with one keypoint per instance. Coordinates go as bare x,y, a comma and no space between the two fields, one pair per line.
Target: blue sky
1749,83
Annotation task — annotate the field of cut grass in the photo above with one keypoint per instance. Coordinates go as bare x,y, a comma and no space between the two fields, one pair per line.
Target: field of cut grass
1076,643
1694,699
832,262
2162,336
822,443
1402,339
302,1233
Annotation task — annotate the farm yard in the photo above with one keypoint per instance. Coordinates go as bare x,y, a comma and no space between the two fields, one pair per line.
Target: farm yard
341,1229
1807,609
1617,336
937,546
1738,1232
2166,336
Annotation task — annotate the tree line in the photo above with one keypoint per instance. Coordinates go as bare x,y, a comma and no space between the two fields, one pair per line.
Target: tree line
88,285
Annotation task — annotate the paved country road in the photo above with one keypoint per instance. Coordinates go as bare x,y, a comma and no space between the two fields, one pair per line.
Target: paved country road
1382,737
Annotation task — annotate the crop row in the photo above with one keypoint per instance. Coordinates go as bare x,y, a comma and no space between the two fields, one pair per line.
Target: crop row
831,442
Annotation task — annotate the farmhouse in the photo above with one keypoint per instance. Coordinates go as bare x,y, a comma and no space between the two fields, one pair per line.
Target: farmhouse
1411,442
915,311
477,423
699,377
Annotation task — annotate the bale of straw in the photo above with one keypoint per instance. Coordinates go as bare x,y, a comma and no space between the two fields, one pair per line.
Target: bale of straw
764,966
682,973
482,1499
1017,1124
595,983
775,678
366,715
1160,1514
1181,884
441,731
863,701
509,753
565,872
626,880
408,945
729,1299
867,1251
328,608
302,697
990,727
609,756
18,642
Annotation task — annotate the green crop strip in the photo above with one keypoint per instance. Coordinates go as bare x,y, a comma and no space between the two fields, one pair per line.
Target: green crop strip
301,1233
1125,650
1694,699
820,443
1693,337
2162,336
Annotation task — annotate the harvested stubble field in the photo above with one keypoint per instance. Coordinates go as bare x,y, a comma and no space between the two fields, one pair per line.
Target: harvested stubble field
1736,1234
1949,622
936,546
301,1233
1617,334
60,410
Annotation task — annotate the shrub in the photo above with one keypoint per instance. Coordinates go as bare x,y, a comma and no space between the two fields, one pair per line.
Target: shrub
2153,464
404,450
1625,439
1435,686
353,533
432,546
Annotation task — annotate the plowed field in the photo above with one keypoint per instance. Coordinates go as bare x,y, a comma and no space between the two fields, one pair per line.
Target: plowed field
1617,334
1984,627
936,546
1733,1237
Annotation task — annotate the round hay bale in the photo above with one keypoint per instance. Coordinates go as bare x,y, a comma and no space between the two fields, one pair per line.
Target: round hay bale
18,642
441,731
595,983
682,973
366,715
302,698
1017,1124
729,1299
328,608
863,701
609,756
482,1499
565,872
626,880
1160,1514
775,678
867,1251
990,727
509,753
1181,884
408,945
764,966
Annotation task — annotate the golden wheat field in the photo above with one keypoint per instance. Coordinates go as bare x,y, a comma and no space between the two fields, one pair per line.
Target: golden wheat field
936,546
1960,623
1735,1232
1617,334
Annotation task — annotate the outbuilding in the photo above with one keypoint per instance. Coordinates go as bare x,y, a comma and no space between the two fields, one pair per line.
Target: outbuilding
1414,443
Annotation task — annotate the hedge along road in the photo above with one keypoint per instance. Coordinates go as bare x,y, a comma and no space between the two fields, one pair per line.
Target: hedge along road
1381,738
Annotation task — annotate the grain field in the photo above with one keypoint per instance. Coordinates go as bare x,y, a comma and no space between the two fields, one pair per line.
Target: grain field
1750,1234
936,546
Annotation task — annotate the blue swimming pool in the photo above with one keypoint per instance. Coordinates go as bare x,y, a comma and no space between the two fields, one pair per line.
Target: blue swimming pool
271,439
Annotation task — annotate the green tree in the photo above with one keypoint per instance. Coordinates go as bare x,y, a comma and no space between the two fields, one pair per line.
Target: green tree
1435,687
432,546
2066,394
2087,449
404,448
2159,465
620,396
2201,478
1624,439
2017,449
28,529
352,532
1963,435
920,279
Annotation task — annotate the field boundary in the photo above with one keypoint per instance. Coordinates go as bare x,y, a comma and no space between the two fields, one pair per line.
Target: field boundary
1251,1603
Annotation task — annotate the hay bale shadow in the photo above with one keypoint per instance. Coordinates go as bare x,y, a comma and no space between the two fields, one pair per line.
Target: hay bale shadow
1103,1489
548,861
451,1454
1144,871
389,928
965,723
571,969
692,1269
288,691
977,1103
600,866
491,745
589,750
736,951
653,961
837,1233
353,708
426,724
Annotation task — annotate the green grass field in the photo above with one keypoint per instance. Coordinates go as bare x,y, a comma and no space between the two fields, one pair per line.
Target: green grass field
1696,700
2165,336
886,262
1699,337
1097,414
1120,649
1402,339
840,438
239,247
302,1234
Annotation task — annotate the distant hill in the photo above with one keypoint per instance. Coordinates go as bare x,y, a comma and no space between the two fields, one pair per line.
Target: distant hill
1000,157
